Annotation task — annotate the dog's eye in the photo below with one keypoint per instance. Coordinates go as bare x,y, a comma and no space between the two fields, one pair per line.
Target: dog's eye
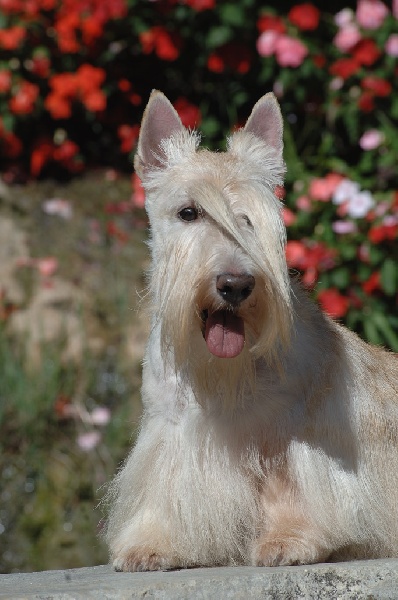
190,213
248,222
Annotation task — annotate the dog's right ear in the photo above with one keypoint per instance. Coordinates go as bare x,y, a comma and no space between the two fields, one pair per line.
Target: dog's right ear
160,122
266,123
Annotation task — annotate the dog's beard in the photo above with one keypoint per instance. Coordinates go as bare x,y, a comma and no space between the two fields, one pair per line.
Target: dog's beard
213,349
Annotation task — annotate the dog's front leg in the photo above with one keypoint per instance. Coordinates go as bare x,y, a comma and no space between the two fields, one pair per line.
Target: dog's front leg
139,532
288,535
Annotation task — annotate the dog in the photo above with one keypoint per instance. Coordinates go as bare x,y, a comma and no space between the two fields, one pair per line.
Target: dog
269,433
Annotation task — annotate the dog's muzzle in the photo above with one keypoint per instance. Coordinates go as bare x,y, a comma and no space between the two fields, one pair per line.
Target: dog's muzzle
224,330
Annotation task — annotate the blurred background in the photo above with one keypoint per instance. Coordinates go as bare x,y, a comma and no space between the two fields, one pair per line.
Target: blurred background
75,76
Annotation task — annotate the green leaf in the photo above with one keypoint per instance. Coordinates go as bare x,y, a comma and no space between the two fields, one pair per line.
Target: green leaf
233,14
381,322
341,277
217,36
371,332
389,276
210,127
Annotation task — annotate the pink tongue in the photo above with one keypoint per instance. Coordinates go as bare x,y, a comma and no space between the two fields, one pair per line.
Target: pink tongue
225,334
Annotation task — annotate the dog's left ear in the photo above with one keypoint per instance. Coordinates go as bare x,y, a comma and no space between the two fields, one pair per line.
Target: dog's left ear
265,122
160,122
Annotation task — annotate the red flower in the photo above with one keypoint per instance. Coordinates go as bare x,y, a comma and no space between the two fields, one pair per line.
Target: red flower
379,233
366,102
66,27
94,100
234,56
215,63
124,85
268,22
11,38
41,154
366,52
10,144
379,86
58,106
372,284
64,84
115,231
65,151
344,67
189,113
304,16
158,40
5,81
319,61
40,66
89,78
92,28
23,101
128,136
333,303
200,5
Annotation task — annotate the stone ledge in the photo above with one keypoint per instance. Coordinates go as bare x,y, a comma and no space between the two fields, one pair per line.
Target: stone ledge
374,579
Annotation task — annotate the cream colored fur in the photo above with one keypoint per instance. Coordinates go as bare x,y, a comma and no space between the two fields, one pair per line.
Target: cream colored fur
286,454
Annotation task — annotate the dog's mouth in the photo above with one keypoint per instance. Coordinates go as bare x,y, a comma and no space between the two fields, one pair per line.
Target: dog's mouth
224,333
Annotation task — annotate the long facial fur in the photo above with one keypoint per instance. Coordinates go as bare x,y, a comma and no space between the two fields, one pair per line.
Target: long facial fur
239,194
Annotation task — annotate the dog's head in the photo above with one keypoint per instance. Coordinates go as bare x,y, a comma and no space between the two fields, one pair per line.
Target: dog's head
218,237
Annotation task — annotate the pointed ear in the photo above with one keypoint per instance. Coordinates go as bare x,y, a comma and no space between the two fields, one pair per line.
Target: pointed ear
160,122
265,122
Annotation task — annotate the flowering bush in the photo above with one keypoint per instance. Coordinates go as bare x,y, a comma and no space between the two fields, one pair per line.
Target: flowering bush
76,74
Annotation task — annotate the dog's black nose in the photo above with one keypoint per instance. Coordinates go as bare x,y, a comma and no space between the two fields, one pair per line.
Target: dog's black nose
235,288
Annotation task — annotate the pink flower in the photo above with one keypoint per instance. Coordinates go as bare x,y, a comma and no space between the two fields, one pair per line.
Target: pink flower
395,8
289,51
391,45
344,227
304,203
322,188
370,14
88,441
347,37
371,139
288,216
138,196
47,266
266,43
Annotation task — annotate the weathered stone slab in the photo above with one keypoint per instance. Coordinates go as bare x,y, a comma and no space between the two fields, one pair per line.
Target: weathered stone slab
358,580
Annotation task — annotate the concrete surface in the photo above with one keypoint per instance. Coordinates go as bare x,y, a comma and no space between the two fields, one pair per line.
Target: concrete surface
377,579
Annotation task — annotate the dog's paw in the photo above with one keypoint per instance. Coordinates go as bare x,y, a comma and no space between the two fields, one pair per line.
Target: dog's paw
140,559
285,552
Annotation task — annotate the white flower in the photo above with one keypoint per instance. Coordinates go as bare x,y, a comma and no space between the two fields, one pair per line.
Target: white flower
344,17
100,415
344,191
360,204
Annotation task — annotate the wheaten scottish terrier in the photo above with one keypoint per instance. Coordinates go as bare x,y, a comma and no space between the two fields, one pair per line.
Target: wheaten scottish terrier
270,433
